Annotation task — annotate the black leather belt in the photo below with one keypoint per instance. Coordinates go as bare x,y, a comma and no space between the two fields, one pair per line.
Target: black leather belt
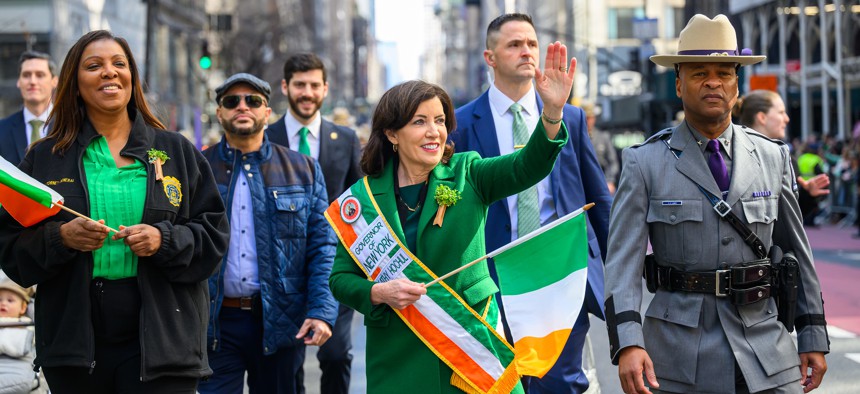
742,284
244,303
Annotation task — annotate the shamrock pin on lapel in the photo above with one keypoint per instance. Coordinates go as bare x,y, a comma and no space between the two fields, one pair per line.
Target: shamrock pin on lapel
445,197
157,158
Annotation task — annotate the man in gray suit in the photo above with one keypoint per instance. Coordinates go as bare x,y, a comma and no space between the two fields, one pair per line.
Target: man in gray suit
338,151
712,325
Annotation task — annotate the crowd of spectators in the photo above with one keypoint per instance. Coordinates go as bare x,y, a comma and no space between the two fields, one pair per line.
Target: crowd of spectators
840,160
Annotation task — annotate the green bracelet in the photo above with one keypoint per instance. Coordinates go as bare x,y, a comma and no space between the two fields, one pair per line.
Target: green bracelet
550,120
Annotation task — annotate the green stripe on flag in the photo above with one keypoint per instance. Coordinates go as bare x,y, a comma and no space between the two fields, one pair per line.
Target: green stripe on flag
545,259
26,189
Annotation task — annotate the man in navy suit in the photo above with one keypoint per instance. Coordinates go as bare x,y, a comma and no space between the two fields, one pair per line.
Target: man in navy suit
485,125
338,151
36,80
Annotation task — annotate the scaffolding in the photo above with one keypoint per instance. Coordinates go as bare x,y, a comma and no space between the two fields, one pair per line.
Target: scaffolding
813,47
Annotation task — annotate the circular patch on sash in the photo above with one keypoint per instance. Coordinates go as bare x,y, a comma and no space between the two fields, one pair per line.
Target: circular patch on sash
350,210
173,190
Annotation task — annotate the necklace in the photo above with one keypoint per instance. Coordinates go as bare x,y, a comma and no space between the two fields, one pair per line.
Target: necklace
404,210
400,199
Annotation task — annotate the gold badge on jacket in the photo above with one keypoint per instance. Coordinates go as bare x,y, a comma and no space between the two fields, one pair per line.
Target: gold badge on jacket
173,190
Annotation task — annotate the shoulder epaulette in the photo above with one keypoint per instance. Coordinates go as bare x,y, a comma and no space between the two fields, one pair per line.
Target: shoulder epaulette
660,135
753,133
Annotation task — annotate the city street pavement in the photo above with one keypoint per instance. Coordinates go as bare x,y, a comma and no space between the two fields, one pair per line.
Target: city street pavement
837,259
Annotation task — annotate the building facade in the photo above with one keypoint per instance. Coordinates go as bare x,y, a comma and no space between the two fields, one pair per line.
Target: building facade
162,35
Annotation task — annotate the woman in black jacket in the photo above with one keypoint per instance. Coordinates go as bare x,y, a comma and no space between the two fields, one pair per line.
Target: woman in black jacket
123,312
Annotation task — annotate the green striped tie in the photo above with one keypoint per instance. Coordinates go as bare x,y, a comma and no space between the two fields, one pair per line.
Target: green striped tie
528,214
304,146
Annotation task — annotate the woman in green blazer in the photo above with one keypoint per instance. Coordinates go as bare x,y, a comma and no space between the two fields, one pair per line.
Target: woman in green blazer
406,159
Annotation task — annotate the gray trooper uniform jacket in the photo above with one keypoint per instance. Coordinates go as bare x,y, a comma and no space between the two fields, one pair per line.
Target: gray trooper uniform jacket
694,339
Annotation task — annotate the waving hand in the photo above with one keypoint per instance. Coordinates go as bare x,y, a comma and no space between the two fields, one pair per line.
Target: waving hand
554,82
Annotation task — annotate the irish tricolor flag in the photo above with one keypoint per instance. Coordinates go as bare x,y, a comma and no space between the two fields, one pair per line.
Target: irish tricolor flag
542,277
26,199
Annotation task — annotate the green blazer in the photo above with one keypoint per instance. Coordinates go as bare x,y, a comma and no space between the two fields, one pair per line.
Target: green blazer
396,359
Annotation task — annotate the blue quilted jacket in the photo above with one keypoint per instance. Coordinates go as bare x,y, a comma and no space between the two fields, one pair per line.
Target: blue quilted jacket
295,244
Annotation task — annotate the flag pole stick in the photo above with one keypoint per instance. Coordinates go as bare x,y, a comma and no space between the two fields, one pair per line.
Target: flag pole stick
448,275
73,212
486,256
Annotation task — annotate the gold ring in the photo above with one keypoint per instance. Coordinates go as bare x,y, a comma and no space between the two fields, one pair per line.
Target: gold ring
562,69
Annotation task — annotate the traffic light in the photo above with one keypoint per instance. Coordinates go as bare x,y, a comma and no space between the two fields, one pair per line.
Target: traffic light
205,56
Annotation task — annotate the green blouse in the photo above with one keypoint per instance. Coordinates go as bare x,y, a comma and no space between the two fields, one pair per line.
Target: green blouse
116,195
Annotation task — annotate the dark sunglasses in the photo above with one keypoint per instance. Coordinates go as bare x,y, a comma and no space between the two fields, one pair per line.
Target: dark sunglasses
251,100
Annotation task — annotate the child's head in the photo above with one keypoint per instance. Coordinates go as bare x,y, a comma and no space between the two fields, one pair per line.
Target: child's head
13,299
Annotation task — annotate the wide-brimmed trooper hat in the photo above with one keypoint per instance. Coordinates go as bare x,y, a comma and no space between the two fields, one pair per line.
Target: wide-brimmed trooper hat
706,40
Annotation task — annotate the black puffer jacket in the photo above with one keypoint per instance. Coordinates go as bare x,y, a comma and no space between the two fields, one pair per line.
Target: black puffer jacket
172,282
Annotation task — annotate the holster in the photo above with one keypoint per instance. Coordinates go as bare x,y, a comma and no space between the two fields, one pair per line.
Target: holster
650,273
786,275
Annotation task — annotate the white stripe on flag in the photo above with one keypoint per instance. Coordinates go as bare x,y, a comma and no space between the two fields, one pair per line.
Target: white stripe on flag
24,179
471,346
559,303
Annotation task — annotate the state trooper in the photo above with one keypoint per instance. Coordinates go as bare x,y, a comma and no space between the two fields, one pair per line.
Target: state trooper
696,192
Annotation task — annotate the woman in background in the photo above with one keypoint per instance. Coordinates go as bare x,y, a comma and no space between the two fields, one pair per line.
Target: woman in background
764,111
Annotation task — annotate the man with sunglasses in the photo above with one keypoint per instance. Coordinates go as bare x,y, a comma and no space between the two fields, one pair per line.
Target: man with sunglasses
338,150
271,297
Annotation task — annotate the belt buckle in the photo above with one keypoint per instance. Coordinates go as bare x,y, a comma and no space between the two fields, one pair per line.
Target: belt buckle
719,283
722,208
245,303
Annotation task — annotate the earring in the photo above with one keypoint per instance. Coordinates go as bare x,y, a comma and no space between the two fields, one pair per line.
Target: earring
394,147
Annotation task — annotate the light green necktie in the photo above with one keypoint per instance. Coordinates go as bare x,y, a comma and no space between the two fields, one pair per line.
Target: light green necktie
304,146
36,132
528,214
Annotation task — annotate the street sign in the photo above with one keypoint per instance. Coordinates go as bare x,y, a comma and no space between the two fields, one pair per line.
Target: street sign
764,81
645,28
622,83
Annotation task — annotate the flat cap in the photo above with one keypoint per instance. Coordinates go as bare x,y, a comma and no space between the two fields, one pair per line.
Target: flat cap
256,83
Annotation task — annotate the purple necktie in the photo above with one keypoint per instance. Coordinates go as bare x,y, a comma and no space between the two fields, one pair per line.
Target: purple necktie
717,165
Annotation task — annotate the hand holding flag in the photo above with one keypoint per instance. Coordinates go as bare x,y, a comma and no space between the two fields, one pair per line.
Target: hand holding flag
542,278
28,200
84,235
143,240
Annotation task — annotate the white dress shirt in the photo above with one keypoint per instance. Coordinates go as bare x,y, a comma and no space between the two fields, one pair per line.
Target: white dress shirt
28,116
504,121
293,127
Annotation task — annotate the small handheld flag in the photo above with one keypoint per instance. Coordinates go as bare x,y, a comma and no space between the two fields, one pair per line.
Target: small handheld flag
542,278
542,281
27,200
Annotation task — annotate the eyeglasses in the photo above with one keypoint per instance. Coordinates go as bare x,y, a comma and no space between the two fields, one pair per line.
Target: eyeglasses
251,100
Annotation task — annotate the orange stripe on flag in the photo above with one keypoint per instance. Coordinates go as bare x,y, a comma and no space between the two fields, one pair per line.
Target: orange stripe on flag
343,228
375,273
535,356
438,340
26,211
